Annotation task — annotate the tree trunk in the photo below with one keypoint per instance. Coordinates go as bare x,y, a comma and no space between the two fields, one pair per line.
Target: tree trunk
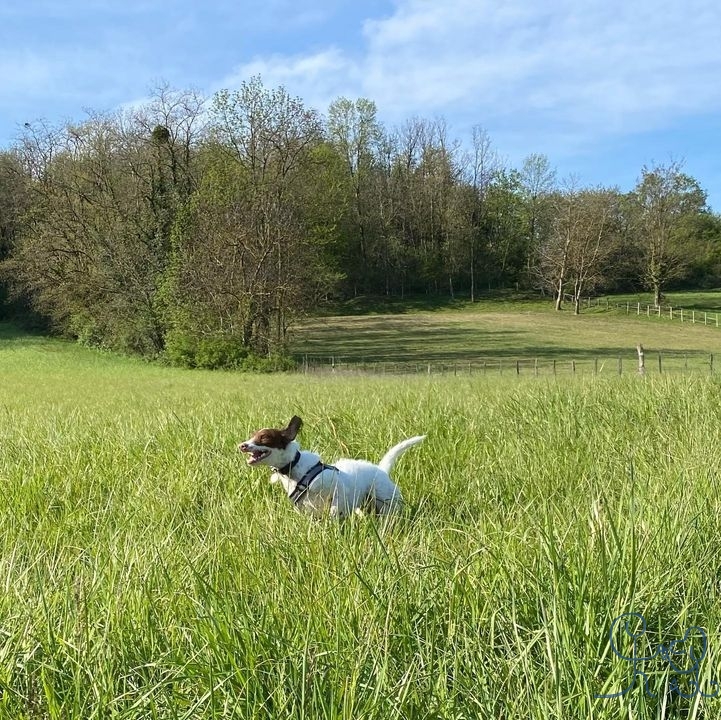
559,293
473,276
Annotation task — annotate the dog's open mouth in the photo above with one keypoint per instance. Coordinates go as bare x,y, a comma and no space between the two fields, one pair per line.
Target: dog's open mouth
255,456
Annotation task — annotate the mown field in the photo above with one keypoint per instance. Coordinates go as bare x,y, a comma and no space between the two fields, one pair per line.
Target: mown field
147,573
490,335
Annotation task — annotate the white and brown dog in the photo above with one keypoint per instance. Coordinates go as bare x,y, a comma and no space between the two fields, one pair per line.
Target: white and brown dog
341,489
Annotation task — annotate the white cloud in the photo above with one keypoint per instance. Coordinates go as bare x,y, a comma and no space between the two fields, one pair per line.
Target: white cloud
315,78
588,69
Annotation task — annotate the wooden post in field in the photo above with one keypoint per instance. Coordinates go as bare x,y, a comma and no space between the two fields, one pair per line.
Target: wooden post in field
660,368
638,308
670,311
711,363
595,366
628,308
681,314
693,317
518,367
554,367
535,367
620,365
641,361
659,310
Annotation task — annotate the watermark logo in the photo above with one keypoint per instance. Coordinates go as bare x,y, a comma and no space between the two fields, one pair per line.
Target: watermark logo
683,656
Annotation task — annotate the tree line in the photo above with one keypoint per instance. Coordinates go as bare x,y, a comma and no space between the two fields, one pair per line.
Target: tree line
201,229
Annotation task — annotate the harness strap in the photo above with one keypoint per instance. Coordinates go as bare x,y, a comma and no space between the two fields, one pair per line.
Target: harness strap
304,483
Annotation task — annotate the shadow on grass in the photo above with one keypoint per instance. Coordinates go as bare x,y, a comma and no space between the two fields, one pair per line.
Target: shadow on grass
397,341
394,305
13,336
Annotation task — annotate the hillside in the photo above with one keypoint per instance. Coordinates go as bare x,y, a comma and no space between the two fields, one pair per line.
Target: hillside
503,331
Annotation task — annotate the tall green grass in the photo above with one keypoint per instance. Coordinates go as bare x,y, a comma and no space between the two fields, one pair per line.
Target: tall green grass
147,573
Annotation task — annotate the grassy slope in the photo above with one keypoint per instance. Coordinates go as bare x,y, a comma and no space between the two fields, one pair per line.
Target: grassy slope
147,573
488,330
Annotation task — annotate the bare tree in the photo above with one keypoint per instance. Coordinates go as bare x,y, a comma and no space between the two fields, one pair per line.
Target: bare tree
583,231
483,169
594,241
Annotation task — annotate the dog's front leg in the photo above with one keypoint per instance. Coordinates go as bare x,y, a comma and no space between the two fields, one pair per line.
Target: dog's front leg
342,503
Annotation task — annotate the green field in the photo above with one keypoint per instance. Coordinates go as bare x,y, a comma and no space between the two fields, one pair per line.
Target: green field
490,335
147,573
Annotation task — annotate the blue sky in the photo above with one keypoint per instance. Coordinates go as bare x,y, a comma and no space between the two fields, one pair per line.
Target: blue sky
601,87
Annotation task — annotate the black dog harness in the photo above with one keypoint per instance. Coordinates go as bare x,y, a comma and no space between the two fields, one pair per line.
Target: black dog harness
304,483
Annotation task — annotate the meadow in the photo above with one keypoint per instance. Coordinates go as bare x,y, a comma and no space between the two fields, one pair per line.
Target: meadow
148,573
492,336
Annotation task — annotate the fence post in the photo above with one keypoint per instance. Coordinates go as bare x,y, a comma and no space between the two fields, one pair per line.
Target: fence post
641,360
518,367
711,363
620,365
554,367
681,314
670,311
573,366
628,308
535,367
659,311
693,317
660,368
595,366
638,308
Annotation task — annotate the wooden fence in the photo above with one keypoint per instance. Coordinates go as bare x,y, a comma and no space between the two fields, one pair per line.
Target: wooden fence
693,316
655,361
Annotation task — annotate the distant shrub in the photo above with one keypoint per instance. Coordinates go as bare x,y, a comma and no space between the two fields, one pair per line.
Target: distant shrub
219,352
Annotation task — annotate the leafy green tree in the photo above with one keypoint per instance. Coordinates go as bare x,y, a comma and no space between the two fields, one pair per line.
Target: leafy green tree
354,131
247,249
663,201
104,193
14,205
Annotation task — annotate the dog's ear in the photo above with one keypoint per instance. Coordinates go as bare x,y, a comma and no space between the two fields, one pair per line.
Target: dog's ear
294,426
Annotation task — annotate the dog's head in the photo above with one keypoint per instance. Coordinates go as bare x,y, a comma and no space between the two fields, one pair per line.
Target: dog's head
272,447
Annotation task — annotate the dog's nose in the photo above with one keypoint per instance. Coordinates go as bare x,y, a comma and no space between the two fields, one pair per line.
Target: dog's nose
243,447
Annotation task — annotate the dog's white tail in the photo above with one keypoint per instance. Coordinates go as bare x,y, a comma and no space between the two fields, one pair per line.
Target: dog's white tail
389,459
